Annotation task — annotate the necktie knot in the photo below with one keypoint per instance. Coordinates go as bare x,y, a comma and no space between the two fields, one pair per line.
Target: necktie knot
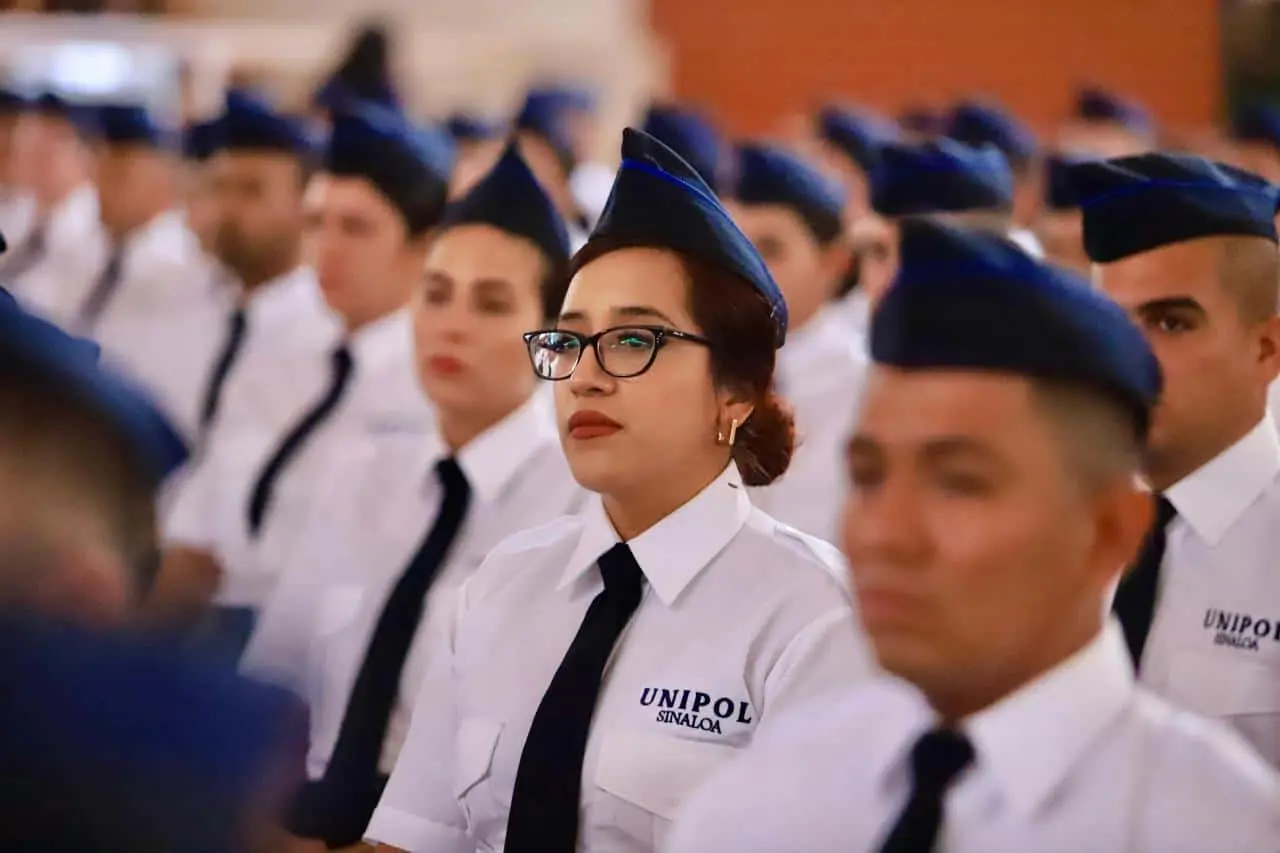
622,575
342,360
1166,512
938,757
451,476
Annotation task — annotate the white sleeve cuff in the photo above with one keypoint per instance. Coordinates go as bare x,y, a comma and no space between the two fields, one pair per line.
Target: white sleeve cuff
412,833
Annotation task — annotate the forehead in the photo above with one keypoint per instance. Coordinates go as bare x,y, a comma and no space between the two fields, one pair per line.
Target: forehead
482,251
871,228
907,408
344,193
630,277
252,163
1188,269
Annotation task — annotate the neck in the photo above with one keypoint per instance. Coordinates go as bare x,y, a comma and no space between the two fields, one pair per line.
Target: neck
987,686
634,512
255,279
1164,470
458,428
119,233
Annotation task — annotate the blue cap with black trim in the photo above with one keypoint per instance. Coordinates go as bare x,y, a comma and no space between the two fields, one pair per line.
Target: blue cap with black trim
768,175
940,176
978,123
249,123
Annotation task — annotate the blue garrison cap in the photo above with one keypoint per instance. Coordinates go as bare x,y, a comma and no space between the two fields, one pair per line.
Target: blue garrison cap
363,75
1059,195
71,363
940,176
128,744
1135,204
547,113
510,199
1098,105
133,124
201,139
660,200
922,121
857,134
250,123
1257,123
408,165
11,101
768,175
972,301
690,134
465,127
978,123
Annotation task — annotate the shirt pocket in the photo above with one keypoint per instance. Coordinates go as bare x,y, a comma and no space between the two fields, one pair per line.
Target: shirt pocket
653,775
477,744
1245,694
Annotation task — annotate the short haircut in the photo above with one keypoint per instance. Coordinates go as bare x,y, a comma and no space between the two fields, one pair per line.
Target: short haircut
1249,267
1095,430
71,472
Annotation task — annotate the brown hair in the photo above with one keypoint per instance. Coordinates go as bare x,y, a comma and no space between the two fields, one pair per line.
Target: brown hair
738,322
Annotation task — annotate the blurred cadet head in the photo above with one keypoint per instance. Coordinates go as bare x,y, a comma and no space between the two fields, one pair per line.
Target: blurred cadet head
200,199
11,107
479,143
1188,247
497,268
1107,124
849,146
920,123
51,153
943,180
1255,135
137,160
116,744
994,495
259,172
363,76
792,214
1060,223
687,320
81,456
977,123
370,209
546,129
692,135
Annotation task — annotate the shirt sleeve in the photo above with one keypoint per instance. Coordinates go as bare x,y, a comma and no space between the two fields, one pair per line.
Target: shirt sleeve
186,522
828,654
419,810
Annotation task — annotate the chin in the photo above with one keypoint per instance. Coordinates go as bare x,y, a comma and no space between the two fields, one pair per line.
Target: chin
594,472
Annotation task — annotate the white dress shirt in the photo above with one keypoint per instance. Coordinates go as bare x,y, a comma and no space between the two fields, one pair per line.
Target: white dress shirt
1026,240
1078,761
1214,645
17,214
372,513
382,401
165,324
855,308
75,249
741,617
821,373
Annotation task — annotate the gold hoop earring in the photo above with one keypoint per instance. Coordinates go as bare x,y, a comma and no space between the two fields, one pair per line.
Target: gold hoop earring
731,438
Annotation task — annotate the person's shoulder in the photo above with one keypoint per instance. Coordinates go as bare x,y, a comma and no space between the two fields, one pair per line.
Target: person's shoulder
780,549
539,550
1231,792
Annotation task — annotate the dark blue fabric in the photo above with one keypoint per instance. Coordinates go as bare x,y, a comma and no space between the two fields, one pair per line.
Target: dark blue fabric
250,123
1257,123
858,134
962,299
1134,204
978,123
1059,195
133,124
464,127
768,175
1098,105
690,134
940,176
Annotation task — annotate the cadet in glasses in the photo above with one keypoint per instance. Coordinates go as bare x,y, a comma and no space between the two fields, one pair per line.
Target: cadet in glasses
598,668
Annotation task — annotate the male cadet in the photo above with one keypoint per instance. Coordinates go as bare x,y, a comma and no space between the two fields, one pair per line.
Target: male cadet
546,128
791,212
977,123
942,179
199,201
1060,224
369,210
152,304
1255,135
1105,124
1188,247
62,242
994,502
277,334
849,142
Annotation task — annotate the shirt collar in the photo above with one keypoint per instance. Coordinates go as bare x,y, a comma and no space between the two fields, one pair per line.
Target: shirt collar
386,341
165,234
492,459
1214,496
289,297
1032,739
677,548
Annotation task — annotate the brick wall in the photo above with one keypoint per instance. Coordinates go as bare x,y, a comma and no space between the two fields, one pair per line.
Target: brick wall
756,61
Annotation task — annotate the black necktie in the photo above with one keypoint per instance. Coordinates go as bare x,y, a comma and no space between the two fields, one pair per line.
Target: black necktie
104,289
337,808
936,760
232,342
548,789
260,498
30,253
1135,601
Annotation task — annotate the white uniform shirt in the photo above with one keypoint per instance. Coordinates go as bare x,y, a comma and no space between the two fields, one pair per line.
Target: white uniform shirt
1078,761
1214,645
165,324
821,373
75,249
372,514
1026,240
17,213
382,399
741,617
855,308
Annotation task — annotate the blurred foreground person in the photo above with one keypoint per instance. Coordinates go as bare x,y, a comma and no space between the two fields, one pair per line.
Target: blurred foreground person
995,502
1060,224
1188,247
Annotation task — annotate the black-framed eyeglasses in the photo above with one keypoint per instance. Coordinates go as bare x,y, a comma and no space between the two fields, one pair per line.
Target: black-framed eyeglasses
622,351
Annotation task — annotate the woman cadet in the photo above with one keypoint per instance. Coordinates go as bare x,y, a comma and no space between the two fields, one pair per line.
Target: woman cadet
402,524
597,669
